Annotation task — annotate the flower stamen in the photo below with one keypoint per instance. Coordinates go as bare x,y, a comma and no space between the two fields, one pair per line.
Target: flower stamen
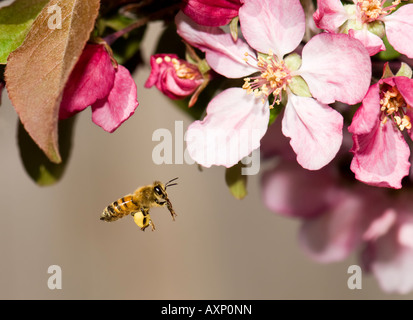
372,10
274,77
393,106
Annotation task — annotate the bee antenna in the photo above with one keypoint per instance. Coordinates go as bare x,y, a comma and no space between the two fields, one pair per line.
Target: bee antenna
168,184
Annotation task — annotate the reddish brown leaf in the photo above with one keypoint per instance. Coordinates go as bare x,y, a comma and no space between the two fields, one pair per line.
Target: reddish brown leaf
37,71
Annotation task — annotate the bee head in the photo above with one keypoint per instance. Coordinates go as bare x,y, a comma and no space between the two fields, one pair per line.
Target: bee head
159,190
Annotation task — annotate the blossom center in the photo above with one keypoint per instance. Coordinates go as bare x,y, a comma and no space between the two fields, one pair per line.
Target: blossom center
372,10
274,77
394,107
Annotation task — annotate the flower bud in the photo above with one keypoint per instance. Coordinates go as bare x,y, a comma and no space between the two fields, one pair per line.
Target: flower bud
174,77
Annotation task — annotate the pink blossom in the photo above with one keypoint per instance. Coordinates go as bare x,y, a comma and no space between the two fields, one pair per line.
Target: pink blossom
368,21
95,81
388,249
338,218
211,12
381,154
335,67
174,77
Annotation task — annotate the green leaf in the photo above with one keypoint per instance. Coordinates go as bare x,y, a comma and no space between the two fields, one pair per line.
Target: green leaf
15,22
405,71
37,165
37,71
387,73
236,182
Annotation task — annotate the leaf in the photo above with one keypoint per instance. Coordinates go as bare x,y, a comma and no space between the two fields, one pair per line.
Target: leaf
405,71
236,182
37,165
15,22
37,71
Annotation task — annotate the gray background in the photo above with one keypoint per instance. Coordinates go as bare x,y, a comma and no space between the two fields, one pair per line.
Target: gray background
218,247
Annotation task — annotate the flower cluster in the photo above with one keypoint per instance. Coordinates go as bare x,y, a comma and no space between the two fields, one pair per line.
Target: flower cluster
325,87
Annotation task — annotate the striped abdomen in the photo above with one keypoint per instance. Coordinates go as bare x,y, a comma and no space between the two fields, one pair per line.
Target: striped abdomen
119,209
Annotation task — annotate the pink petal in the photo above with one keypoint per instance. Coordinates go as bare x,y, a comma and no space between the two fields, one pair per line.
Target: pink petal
232,129
276,25
405,235
315,130
336,67
164,76
221,52
371,42
334,235
367,116
392,264
91,79
211,12
381,157
399,29
380,225
119,105
330,15
282,186
405,87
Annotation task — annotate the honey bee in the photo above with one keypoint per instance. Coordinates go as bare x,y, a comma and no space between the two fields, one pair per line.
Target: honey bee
139,203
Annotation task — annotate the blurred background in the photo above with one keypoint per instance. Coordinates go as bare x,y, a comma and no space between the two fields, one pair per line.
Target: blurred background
218,247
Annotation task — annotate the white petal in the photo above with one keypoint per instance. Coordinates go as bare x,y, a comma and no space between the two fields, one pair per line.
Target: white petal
232,129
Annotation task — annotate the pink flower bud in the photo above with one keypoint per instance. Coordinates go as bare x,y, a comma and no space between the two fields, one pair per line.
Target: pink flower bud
174,77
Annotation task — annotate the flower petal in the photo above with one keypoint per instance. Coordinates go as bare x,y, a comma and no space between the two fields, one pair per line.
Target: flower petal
334,235
232,129
392,263
282,186
399,29
330,15
211,13
380,225
367,115
315,130
336,67
381,157
164,75
119,105
371,42
221,52
276,25
91,79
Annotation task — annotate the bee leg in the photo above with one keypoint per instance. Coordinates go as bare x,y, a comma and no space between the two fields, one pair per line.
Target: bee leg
152,224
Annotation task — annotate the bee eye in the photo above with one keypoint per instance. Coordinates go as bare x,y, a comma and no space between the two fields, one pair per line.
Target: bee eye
158,191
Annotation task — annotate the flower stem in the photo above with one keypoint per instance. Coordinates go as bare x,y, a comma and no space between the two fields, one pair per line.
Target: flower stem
139,23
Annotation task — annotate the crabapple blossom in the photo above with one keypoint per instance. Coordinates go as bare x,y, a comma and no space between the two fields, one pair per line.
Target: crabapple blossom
339,217
381,154
95,81
332,67
174,77
368,21
211,12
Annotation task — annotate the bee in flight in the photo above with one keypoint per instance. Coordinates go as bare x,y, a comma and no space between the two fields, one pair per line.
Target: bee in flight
139,203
